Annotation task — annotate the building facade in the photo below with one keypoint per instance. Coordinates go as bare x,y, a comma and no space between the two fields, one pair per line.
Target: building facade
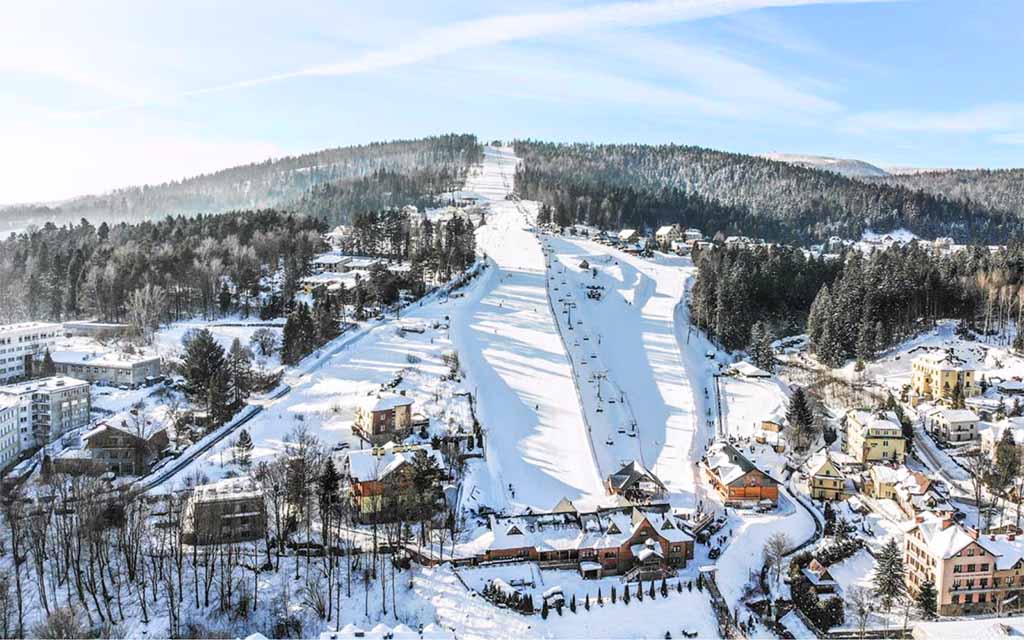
824,479
381,478
20,343
48,408
10,441
874,437
736,479
953,425
972,573
379,419
107,368
937,376
225,512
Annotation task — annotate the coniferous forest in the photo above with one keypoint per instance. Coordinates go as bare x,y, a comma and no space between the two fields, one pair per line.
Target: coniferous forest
855,306
645,186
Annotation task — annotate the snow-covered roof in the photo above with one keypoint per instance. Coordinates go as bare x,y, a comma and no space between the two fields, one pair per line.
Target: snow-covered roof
993,432
105,358
748,370
728,463
384,402
28,326
877,425
956,415
592,530
665,230
817,463
969,629
332,259
53,383
626,234
943,360
632,473
884,475
229,489
366,465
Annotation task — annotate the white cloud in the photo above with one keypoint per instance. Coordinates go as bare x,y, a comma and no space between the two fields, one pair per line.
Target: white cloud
1002,118
484,32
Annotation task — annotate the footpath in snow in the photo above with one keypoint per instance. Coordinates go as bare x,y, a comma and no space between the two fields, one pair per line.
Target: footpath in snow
536,441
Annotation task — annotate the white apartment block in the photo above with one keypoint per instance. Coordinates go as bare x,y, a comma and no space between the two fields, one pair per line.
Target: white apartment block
47,408
20,342
10,443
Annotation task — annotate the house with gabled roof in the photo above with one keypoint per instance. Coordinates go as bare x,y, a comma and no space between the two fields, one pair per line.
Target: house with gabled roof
737,480
825,480
972,573
636,483
636,543
383,417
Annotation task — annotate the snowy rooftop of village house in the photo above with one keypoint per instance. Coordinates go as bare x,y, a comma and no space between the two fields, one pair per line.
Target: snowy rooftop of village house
969,629
43,384
560,532
943,358
871,420
228,489
748,370
101,357
945,539
384,402
332,258
24,326
631,472
728,462
381,631
374,464
956,415
993,431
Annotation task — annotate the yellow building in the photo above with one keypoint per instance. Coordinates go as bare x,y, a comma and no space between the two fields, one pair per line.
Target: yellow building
882,482
874,437
824,479
936,376
972,573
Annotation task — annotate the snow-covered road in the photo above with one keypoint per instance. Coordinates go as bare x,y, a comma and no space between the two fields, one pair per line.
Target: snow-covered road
537,445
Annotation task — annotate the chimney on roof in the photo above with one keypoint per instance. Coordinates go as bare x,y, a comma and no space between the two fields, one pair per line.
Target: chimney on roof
946,522
973,533
919,519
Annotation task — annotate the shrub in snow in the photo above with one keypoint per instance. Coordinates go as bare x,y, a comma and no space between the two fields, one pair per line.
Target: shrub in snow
613,594
600,601
572,603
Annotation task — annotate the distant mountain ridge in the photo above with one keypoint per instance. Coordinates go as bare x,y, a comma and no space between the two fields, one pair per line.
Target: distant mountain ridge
848,167
271,183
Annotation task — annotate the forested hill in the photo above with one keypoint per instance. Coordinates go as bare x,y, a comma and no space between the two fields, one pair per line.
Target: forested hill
647,186
254,186
996,189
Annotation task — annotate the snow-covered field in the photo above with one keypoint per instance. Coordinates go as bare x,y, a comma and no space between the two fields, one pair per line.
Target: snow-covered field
225,330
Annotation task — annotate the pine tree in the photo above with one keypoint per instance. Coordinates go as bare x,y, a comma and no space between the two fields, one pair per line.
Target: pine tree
925,601
800,419
544,610
203,369
224,299
640,590
572,603
761,352
600,600
889,575
614,595
243,450
240,377
586,602
625,595
651,593
664,588
47,368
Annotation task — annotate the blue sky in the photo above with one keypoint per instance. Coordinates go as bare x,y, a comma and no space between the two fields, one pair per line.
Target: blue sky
104,93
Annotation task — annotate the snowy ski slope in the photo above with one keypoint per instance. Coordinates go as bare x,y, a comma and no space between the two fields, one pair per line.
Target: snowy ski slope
643,347
537,446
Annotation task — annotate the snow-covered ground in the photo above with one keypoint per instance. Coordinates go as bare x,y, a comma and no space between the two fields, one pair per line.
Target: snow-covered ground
536,439
225,330
639,331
